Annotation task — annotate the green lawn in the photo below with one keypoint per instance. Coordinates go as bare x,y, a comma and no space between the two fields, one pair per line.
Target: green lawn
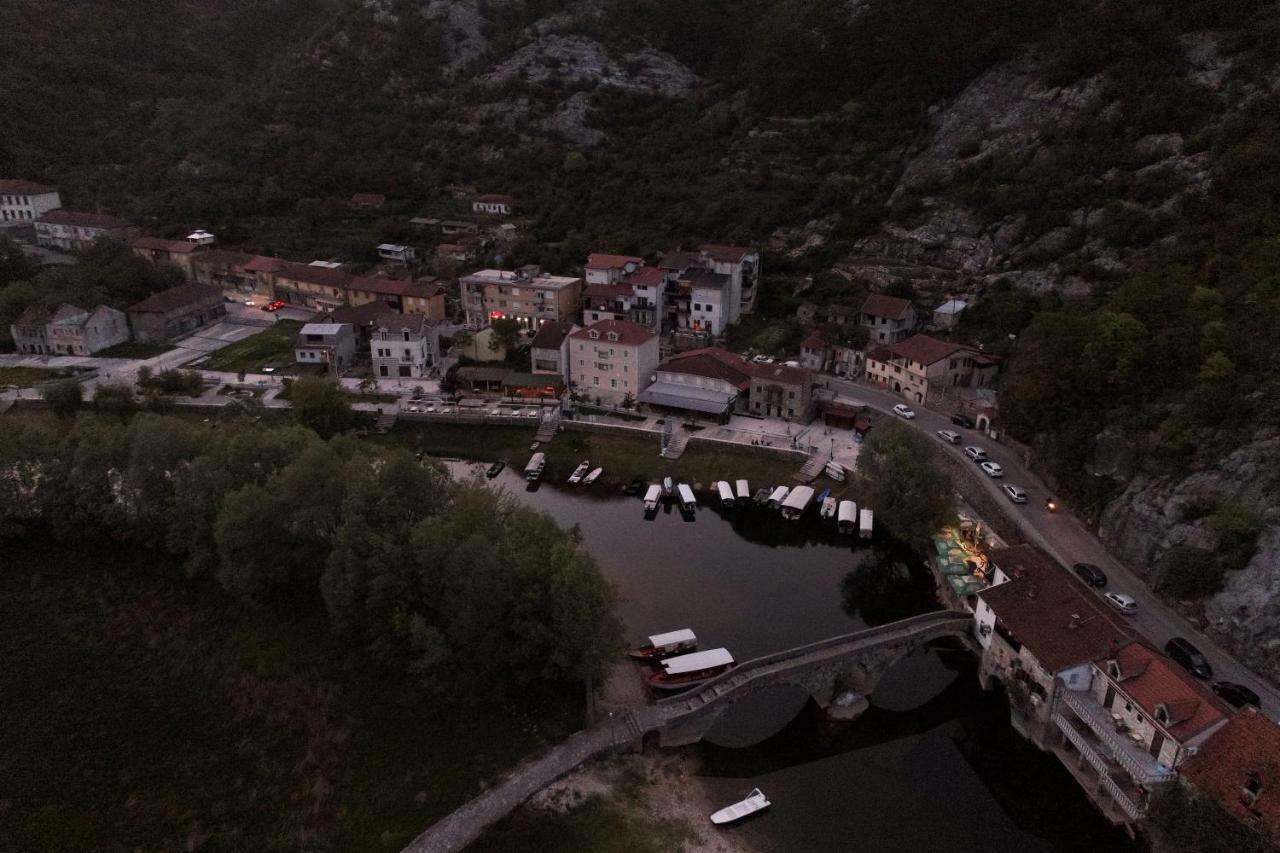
140,711
133,349
272,347
25,377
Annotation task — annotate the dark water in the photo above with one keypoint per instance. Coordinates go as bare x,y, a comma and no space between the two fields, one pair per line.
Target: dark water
932,766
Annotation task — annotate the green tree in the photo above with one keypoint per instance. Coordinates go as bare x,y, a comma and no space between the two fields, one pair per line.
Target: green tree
115,399
64,397
897,475
506,335
14,263
321,404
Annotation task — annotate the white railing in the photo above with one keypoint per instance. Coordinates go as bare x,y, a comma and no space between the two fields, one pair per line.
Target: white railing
1087,712
1127,805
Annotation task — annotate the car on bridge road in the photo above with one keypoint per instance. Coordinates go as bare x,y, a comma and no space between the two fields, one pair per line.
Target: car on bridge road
1236,695
949,436
992,469
1017,494
1090,574
904,411
1188,657
977,454
1124,603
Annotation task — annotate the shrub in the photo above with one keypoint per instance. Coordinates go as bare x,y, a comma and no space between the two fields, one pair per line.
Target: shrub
1189,573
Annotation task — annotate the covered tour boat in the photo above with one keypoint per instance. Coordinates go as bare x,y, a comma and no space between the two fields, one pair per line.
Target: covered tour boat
835,471
533,470
779,495
754,802
668,487
847,518
688,503
796,503
725,491
666,645
865,520
652,497
685,671
581,471
762,495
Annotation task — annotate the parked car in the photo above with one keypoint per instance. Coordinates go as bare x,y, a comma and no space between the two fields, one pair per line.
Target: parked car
1090,574
992,469
963,420
977,454
904,411
1188,657
948,436
762,359
1016,494
1236,695
1124,603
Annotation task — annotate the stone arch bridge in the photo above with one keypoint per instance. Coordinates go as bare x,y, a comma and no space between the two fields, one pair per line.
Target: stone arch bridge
847,664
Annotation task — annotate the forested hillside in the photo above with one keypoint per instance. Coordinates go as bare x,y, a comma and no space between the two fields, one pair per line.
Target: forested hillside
1101,177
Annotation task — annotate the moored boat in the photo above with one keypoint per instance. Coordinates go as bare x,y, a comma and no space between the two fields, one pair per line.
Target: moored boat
778,496
762,495
828,510
668,487
688,503
533,470
651,499
797,502
835,471
754,802
725,492
592,477
581,471
635,486
742,491
685,671
847,518
495,469
865,520
666,645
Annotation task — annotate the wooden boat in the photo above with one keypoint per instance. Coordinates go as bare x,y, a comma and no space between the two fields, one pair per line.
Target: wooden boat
865,519
495,469
668,487
651,499
685,671
581,471
634,487
762,495
727,500
828,510
797,502
847,518
754,802
592,477
835,471
742,491
533,470
666,645
688,503
778,496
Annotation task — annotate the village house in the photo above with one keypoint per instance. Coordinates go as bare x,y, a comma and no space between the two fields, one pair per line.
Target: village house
75,331
709,381
946,315
367,201
29,331
224,269
815,352
397,253
526,295
72,231
494,205
417,296
331,346
23,202
711,301
361,318
612,359
549,350
311,286
921,367
742,266
177,252
176,311
889,319
1239,766
610,269
782,392
404,346
637,296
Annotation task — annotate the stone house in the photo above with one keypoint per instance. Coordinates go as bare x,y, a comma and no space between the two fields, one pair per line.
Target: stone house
888,319
782,392
176,311
613,358
225,269
177,252
320,287
404,346
947,315
23,202
921,367
408,296
72,231
1239,766
709,381
75,331
815,352
329,345
549,350
29,331
361,318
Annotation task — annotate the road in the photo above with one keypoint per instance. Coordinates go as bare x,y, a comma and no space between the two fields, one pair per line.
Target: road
1063,536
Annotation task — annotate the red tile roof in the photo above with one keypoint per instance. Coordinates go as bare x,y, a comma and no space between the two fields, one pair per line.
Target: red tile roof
608,291
323,276
924,349
20,187
726,254
713,363
82,220
34,315
263,263
393,287
814,341
1246,751
1156,680
629,334
1049,612
880,305
176,298
157,244
680,261
782,374
647,276
611,262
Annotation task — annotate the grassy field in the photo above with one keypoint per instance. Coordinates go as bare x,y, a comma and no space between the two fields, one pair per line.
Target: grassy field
140,712
133,349
25,377
598,825
271,347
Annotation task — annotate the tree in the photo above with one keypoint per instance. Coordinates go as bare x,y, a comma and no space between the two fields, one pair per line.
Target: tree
64,397
115,399
506,335
321,404
14,263
913,497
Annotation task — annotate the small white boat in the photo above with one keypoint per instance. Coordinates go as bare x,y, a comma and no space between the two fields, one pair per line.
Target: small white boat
668,487
743,491
725,492
847,518
779,495
755,801
685,671
592,477
665,645
533,470
688,503
828,508
581,471
652,497
865,520
836,471
797,502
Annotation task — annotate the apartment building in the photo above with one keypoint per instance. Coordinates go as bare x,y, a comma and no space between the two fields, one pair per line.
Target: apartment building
527,295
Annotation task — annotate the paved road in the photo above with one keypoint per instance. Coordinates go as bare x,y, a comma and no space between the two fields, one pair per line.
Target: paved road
1062,535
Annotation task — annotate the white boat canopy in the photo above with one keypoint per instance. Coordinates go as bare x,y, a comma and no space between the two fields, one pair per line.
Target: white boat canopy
697,661
778,495
654,494
865,520
743,489
848,512
672,638
799,498
686,494
726,493
536,461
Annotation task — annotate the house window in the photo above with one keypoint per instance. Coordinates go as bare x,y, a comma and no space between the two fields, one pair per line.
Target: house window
595,380
406,334
613,383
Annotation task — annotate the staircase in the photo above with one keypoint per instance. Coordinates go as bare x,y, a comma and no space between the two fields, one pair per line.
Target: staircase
547,429
675,447
812,467
384,423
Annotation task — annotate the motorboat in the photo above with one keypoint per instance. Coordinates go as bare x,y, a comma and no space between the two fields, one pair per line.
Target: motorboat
635,486
778,496
828,510
847,518
666,645
685,671
754,802
688,503
581,471
742,491
495,469
836,471
865,520
725,491
797,502
762,495
592,477
533,470
668,487
651,499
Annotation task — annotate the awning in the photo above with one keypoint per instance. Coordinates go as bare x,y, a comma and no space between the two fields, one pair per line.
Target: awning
677,396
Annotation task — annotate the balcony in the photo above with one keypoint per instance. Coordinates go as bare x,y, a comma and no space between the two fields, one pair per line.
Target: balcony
1119,798
1111,744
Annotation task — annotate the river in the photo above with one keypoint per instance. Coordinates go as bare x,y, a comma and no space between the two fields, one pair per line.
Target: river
932,766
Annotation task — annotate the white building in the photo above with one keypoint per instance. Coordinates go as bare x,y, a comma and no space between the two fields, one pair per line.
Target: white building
494,205
613,358
610,269
404,345
71,230
330,345
712,303
23,202
742,265
397,253
946,315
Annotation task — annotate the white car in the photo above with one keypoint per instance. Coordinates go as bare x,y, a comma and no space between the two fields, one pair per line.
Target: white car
1016,494
992,469
904,411
977,454
1124,603
762,359
948,436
